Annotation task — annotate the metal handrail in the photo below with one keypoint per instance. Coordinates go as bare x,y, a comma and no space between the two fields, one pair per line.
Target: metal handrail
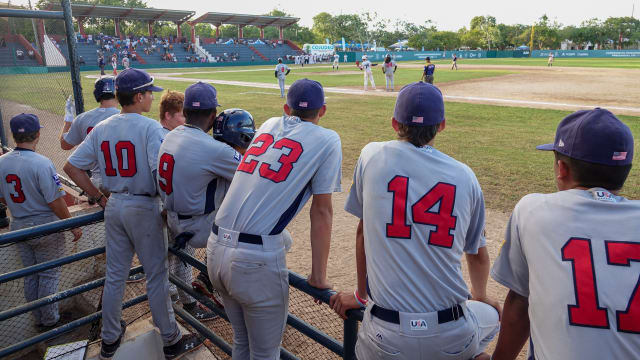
50,228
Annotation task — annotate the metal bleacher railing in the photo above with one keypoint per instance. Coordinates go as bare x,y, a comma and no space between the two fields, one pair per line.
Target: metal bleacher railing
304,337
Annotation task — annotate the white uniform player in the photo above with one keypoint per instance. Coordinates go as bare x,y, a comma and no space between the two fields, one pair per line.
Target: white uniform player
76,131
550,60
32,191
368,74
290,160
570,258
389,68
125,62
345,58
420,211
281,73
336,61
126,149
114,64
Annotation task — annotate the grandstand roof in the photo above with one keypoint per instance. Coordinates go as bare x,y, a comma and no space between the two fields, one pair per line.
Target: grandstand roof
243,19
125,13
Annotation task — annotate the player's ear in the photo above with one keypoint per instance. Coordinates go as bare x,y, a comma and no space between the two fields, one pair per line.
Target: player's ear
394,124
323,110
443,125
287,109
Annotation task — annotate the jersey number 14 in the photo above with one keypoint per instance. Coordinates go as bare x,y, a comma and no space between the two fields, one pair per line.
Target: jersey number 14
443,220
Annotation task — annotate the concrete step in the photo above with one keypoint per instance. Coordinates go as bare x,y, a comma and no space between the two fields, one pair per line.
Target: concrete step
142,341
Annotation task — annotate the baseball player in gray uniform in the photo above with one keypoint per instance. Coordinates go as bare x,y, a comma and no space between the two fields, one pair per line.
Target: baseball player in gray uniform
31,190
282,70
290,160
191,204
76,130
336,62
368,74
389,69
126,148
420,211
570,258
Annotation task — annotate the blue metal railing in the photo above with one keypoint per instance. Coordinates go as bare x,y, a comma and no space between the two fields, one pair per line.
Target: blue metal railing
346,349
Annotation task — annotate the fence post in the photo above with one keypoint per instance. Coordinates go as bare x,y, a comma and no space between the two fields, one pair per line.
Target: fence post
3,136
350,337
73,58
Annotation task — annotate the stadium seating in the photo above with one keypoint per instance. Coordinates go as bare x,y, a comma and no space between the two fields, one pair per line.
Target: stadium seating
280,51
8,58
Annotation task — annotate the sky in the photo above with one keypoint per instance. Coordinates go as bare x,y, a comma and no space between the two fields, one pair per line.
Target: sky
448,15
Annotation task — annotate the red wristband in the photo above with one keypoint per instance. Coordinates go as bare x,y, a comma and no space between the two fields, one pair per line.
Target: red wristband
361,301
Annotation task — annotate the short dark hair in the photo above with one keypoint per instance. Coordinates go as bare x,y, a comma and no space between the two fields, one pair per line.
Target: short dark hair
25,137
125,99
592,175
197,117
106,96
417,135
305,114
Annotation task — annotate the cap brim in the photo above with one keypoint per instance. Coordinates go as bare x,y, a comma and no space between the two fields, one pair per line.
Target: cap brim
154,88
545,147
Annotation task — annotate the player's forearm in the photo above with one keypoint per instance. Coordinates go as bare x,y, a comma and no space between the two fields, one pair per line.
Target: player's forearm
479,266
65,129
59,207
514,327
321,223
361,261
80,178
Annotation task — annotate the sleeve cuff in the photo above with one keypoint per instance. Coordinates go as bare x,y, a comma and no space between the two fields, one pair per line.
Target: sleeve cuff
508,284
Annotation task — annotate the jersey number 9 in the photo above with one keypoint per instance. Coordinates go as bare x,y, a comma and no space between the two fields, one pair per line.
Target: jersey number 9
165,172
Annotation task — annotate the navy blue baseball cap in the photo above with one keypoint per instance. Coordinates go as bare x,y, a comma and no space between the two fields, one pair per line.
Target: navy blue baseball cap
596,136
24,124
419,104
135,80
305,94
200,96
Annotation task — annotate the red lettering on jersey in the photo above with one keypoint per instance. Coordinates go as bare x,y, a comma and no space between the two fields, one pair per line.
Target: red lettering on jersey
286,161
265,140
19,198
106,152
165,172
622,253
398,228
121,147
587,311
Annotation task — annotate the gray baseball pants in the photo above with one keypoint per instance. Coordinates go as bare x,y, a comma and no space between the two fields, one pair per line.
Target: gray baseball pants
134,226
455,340
37,251
281,84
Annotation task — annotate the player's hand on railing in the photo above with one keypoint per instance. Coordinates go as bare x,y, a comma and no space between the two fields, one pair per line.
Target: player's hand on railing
70,109
318,283
489,301
77,234
343,301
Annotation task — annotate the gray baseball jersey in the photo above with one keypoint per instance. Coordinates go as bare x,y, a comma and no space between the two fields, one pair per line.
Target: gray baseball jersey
28,183
84,123
288,161
421,210
389,67
194,171
124,167
366,65
336,58
575,255
282,70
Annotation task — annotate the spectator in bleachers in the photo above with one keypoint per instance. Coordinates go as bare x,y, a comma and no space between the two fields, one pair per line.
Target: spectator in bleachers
3,42
81,60
134,57
20,54
32,54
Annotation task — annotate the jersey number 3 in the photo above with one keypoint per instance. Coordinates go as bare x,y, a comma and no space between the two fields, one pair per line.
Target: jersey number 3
122,147
443,220
286,160
587,311
19,198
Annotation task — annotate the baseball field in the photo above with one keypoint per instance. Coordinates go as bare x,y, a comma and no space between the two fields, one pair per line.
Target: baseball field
497,111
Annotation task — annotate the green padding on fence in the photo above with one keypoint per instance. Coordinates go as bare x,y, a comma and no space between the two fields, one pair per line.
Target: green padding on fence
14,70
631,53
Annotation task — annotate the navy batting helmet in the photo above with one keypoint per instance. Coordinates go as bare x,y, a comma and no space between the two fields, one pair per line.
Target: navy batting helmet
103,86
234,127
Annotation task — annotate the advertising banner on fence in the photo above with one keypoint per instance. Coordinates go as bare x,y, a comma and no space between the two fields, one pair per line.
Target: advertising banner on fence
632,53
318,48
421,55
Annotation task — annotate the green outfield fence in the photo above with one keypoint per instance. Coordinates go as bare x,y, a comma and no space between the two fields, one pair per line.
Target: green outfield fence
313,331
483,54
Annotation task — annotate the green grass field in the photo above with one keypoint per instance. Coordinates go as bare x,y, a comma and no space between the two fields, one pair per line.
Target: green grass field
498,143
342,78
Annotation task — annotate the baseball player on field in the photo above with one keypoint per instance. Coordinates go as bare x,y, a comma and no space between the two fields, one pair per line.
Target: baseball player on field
389,69
114,64
76,130
429,69
281,73
368,74
420,211
570,258
345,58
454,62
550,60
290,160
32,191
125,147
336,62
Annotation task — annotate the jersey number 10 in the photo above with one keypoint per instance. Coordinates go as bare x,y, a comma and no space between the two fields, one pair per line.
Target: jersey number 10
587,311
121,148
443,220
